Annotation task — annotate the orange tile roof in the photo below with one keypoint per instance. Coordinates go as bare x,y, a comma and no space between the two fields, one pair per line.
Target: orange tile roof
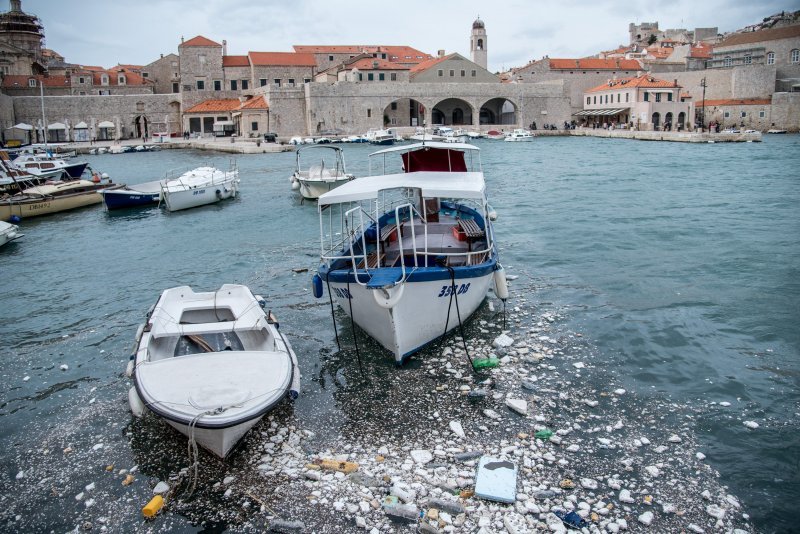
425,65
131,78
399,54
21,81
645,80
235,61
786,32
213,106
370,63
91,68
701,50
660,53
594,64
735,102
255,103
199,41
325,49
126,67
288,59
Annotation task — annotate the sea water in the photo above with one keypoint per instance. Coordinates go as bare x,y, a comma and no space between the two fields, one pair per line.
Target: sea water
677,263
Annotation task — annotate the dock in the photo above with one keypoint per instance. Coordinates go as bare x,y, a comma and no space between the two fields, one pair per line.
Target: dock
678,137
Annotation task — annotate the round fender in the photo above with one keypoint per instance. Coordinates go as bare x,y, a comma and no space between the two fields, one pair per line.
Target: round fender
393,296
316,285
501,284
136,404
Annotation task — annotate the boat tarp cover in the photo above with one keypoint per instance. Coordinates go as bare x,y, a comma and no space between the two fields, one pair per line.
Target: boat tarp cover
432,184
434,159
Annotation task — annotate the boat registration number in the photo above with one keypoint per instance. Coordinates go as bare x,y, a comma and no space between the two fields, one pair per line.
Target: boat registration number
342,292
448,290
41,205
200,192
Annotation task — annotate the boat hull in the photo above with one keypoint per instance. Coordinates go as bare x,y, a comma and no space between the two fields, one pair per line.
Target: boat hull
129,199
200,196
219,441
421,314
312,189
45,206
8,233
382,142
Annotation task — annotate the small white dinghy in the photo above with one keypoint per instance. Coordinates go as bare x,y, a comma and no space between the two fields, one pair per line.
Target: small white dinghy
211,364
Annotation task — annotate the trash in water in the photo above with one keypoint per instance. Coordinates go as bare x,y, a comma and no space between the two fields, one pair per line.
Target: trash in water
485,363
543,434
571,519
496,480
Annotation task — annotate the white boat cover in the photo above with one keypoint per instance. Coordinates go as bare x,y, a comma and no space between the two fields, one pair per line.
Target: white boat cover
432,184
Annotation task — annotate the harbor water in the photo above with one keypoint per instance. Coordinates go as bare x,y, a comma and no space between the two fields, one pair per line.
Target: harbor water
677,266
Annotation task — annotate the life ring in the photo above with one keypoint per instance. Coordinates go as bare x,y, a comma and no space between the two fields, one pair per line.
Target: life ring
96,178
391,298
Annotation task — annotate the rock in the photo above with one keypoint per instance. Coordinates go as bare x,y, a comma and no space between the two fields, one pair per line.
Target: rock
161,487
529,385
457,429
544,494
700,456
668,508
619,391
579,365
421,456
715,511
695,528
554,523
646,518
361,522
227,480
518,405
502,341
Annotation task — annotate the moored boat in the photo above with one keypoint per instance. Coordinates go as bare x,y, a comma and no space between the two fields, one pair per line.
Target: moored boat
519,134
200,186
410,255
8,233
46,166
52,197
381,137
318,179
131,196
211,364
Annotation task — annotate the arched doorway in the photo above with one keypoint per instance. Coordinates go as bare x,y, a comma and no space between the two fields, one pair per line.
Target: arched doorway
498,111
656,120
681,120
668,121
451,111
140,126
404,112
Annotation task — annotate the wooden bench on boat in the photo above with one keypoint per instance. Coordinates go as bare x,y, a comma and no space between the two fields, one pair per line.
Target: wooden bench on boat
372,261
471,230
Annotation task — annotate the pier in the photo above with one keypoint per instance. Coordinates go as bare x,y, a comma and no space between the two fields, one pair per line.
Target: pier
680,137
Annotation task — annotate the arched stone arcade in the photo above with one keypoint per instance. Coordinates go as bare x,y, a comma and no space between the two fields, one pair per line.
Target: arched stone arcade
498,111
404,112
452,112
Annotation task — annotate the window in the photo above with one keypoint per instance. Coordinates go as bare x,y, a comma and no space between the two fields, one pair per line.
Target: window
254,126
727,114
175,87
145,75
81,80
619,97
360,77
234,85
771,58
669,97
440,72
202,59
291,82
748,60
83,93
245,84
103,92
594,98
218,85
277,82
393,121
588,99
221,119
463,73
381,76
606,99
474,73
370,76
743,114
452,73
627,97
369,113
174,64
32,82
646,96
262,82
104,79
727,61
393,76
201,84
762,114
306,80
330,58
121,79
794,56
658,97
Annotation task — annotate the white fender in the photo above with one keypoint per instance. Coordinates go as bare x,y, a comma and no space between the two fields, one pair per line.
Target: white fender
139,332
129,369
391,300
500,284
137,406
295,185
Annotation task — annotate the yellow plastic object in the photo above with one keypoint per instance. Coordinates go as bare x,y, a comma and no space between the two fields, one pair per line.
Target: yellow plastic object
152,508
334,465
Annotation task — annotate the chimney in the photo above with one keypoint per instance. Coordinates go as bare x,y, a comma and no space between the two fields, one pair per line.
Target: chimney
224,47
675,82
440,53
162,56
181,39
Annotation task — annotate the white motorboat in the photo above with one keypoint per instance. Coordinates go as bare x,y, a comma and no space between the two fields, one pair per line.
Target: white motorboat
421,134
410,254
46,166
381,137
211,364
200,186
8,233
776,131
320,178
519,134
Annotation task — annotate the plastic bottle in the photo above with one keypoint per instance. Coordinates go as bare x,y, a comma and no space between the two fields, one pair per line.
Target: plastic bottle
485,363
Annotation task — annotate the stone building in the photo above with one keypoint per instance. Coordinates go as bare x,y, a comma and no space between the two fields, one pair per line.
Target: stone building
647,33
165,73
21,42
326,56
479,44
751,113
643,101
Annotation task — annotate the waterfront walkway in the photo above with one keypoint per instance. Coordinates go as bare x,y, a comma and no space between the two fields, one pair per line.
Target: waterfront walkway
682,137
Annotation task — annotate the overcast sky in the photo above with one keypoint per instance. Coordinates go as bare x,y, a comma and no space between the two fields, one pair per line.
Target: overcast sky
108,32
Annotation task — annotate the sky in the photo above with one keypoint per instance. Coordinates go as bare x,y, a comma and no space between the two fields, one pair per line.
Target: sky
110,32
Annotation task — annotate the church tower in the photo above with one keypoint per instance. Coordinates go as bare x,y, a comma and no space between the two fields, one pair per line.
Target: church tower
477,43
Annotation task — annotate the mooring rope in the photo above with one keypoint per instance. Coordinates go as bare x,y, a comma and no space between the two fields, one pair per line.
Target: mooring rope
458,314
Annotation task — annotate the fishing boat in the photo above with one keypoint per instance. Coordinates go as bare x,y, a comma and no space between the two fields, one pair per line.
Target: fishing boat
409,253
495,134
133,196
318,179
211,364
381,137
8,233
519,135
200,186
45,166
52,197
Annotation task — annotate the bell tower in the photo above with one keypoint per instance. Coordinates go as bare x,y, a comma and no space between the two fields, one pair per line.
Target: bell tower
478,43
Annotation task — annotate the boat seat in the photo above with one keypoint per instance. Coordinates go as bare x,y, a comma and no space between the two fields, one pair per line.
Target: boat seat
387,231
372,261
470,228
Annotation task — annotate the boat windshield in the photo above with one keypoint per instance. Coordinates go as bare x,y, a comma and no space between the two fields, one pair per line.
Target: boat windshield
427,157
434,159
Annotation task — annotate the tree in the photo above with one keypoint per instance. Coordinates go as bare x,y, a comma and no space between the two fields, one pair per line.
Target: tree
652,39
